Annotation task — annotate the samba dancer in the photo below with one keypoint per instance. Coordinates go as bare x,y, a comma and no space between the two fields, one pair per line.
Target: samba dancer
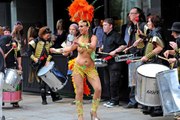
84,66
39,54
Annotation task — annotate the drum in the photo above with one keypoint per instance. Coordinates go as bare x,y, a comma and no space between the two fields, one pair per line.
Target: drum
120,58
147,92
100,62
168,84
52,77
132,72
11,79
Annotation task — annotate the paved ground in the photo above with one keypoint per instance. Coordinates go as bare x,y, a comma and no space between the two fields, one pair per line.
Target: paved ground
31,109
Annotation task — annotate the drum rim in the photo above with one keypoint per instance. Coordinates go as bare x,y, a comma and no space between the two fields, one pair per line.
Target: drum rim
153,64
38,74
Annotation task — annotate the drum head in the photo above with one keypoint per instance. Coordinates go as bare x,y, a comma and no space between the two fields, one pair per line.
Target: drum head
150,70
45,69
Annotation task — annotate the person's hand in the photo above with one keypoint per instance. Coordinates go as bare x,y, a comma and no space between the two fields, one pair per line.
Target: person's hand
47,63
35,60
166,53
144,59
125,50
172,60
173,45
112,53
139,32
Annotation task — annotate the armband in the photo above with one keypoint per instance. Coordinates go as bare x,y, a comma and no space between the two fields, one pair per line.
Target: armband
150,55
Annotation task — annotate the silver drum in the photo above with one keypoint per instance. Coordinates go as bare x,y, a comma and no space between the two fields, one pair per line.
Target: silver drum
46,73
132,72
100,62
168,84
147,92
11,79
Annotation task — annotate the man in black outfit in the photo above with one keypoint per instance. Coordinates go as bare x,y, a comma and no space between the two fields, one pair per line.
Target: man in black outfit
113,45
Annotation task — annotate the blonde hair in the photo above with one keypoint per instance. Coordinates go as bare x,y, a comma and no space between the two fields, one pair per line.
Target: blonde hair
31,33
59,24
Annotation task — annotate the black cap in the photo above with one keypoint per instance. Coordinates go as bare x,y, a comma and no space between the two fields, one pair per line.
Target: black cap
175,27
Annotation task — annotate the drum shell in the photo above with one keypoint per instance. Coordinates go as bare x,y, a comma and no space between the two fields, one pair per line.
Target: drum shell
168,84
50,79
11,79
100,62
147,92
132,72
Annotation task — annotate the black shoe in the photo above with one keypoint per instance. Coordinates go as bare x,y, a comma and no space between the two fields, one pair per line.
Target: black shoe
130,105
44,102
56,98
147,110
16,105
156,113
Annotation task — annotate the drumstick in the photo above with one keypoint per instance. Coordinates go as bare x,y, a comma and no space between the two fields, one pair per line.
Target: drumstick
8,52
103,53
129,48
172,64
162,58
130,61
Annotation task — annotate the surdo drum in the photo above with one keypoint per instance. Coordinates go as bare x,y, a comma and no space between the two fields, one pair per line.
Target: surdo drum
168,84
12,79
147,92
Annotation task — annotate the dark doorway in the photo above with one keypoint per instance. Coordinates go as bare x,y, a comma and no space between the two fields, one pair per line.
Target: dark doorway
170,13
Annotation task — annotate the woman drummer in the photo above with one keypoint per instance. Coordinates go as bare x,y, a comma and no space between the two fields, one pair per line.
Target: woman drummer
84,67
154,47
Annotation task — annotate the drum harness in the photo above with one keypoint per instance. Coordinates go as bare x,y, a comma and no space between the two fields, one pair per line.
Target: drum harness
42,56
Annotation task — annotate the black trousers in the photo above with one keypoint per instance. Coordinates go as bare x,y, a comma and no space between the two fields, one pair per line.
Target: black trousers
113,80
43,90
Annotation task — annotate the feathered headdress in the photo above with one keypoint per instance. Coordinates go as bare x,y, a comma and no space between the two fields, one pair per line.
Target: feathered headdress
81,10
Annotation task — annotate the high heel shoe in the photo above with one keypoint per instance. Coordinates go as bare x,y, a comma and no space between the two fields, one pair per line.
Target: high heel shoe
93,117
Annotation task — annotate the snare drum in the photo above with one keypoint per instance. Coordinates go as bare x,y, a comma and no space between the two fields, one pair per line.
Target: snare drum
168,84
11,79
100,62
120,58
147,92
50,76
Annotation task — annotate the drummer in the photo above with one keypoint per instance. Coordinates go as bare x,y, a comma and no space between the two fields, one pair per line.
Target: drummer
154,47
39,54
175,45
137,19
112,44
12,58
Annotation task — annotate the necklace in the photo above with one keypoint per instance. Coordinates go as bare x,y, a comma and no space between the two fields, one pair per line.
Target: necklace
85,36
